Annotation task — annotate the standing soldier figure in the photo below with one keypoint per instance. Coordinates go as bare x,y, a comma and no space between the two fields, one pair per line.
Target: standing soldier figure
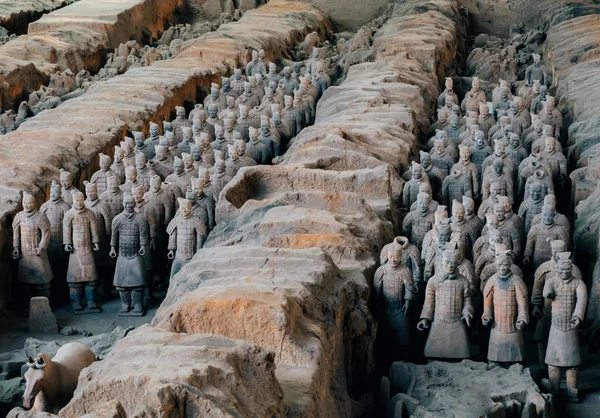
31,237
80,238
128,243
394,290
55,209
505,308
569,300
447,305
186,236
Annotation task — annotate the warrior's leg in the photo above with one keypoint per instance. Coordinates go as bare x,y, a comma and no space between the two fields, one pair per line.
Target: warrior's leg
572,383
90,295
137,296
125,299
542,346
148,294
75,290
554,378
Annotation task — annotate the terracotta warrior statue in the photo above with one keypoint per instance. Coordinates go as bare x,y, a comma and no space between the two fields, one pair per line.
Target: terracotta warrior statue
186,236
81,239
179,122
536,71
448,92
568,296
55,209
455,186
531,206
418,222
66,182
537,250
433,257
102,212
474,98
473,223
479,152
447,304
411,258
468,168
154,137
411,187
506,310
128,243
141,146
394,290
31,238
118,167
541,306
99,177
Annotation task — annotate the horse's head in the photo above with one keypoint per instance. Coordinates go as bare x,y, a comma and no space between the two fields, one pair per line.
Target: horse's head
34,378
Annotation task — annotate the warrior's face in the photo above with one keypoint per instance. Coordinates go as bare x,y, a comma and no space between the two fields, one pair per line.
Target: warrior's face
503,265
155,184
395,258
564,271
55,193
92,193
28,204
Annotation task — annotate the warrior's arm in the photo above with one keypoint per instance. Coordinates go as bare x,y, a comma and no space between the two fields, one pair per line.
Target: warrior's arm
16,225
522,305
94,227
582,298
416,268
68,230
200,235
172,231
144,235
377,284
429,304
488,300
509,191
44,225
475,180
468,304
407,226
539,280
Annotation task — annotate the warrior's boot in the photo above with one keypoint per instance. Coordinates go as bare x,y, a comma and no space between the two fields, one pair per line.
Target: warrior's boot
75,293
137,300
90,295
125,300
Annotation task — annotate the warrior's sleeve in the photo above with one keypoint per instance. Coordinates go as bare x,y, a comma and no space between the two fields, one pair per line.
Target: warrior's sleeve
68,228
530,246
200,234
168,205
408,291
562,165
522,305
467,303
509,191
539,280
548,288
523,210
582,298
377,284
416,267
172,231
152,227
488,300
475,180
16,226
429,304
114,237
44,225
105,218
517,245
485,188
93,226
144,234
407,226
528,76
